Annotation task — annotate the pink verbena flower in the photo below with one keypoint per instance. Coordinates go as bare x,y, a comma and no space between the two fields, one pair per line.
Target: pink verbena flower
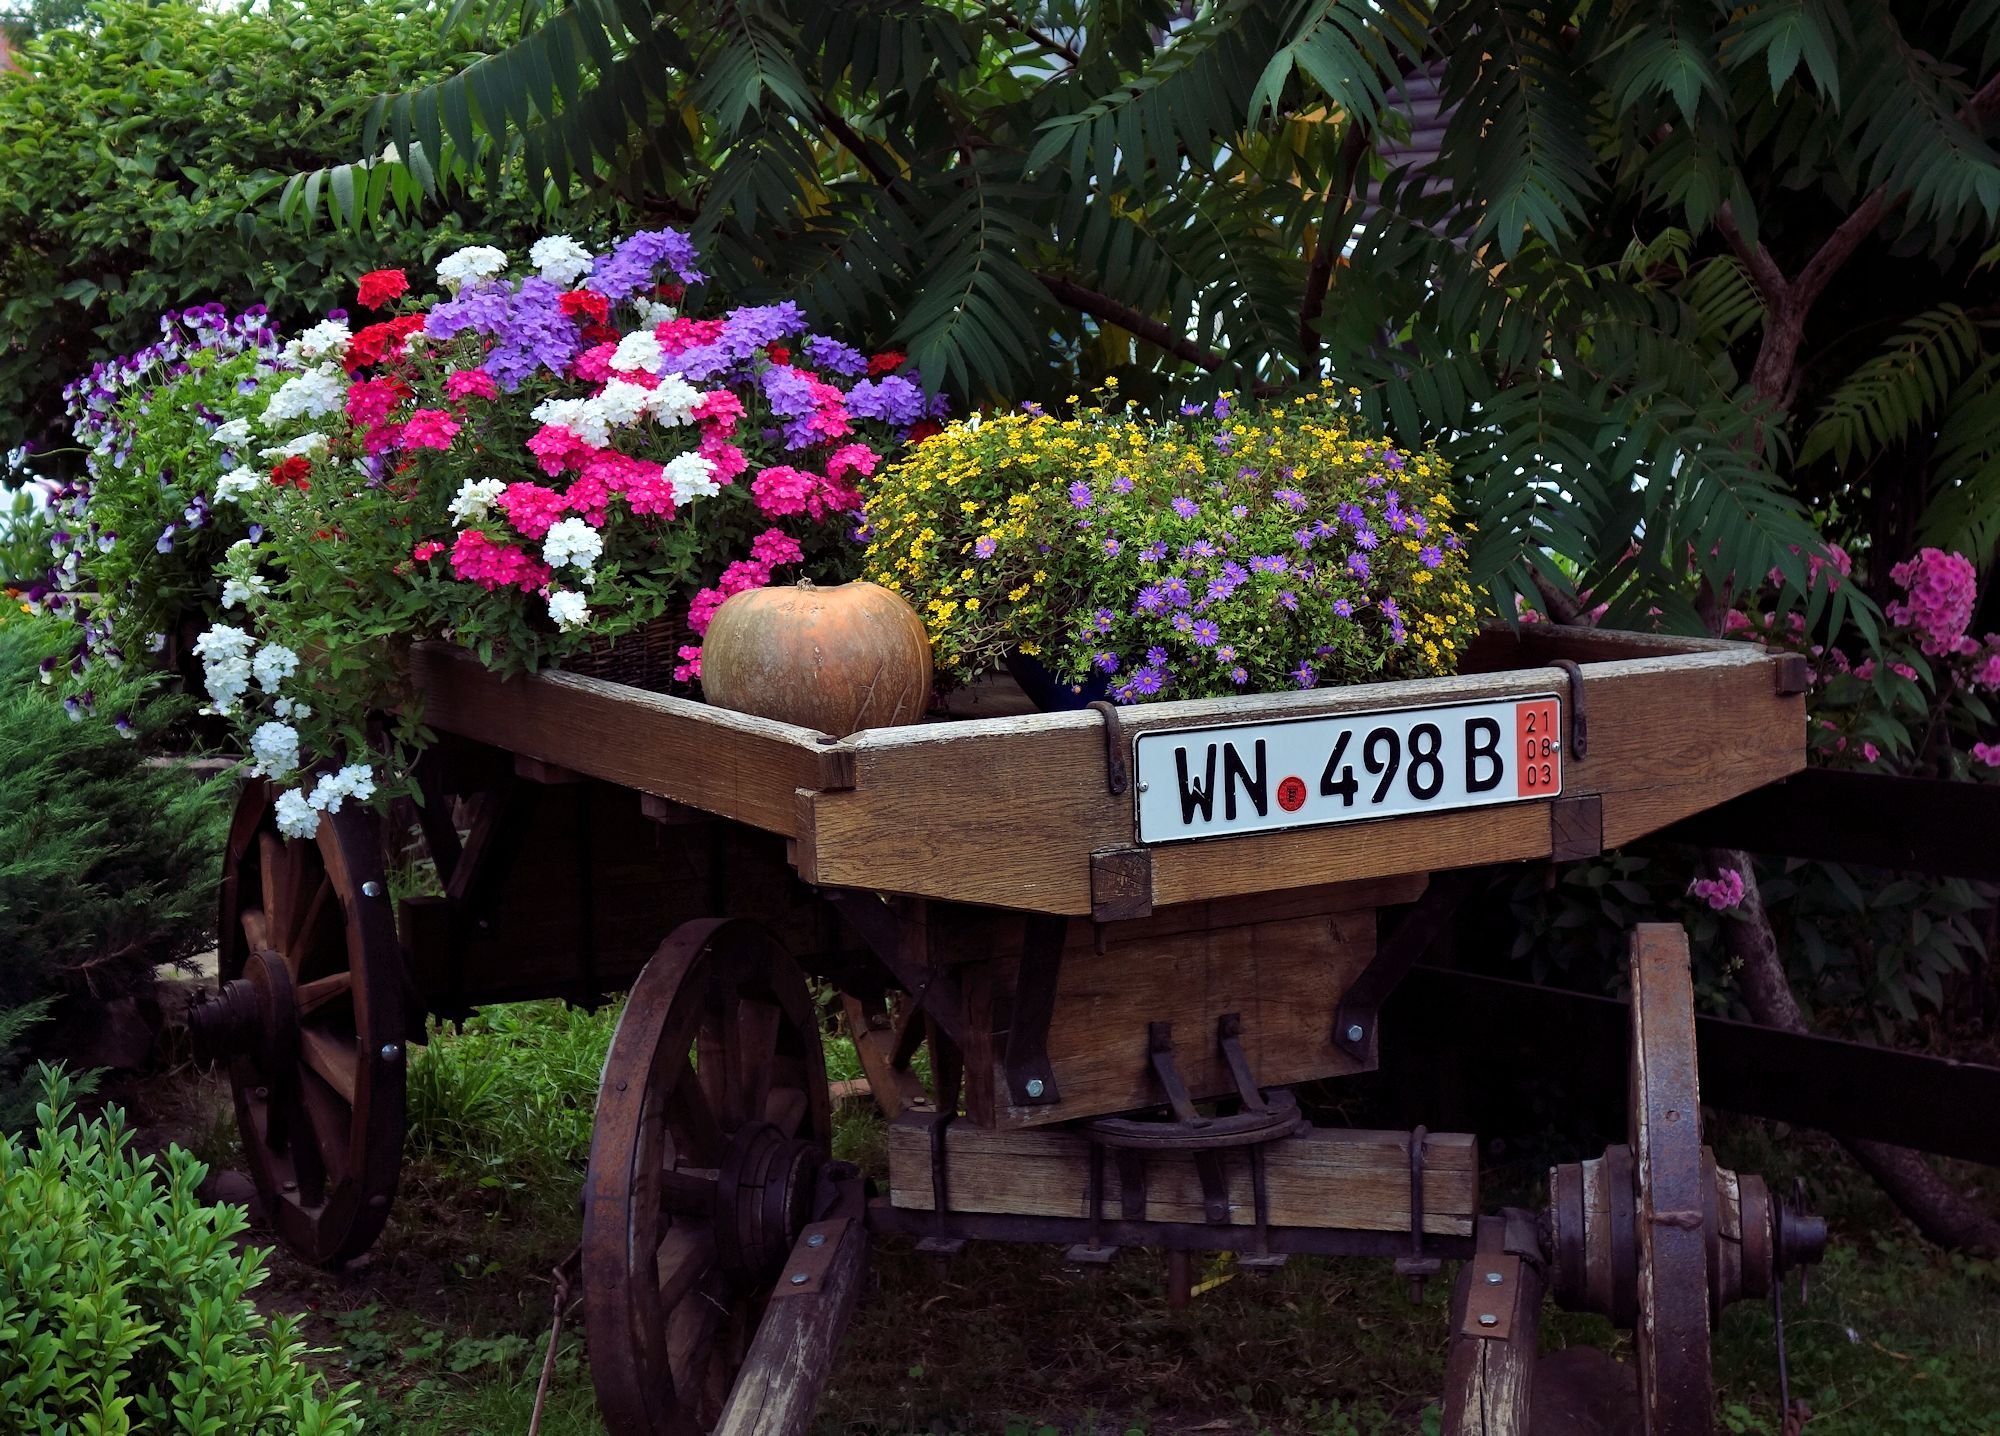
470,384
782,489
371,401
478,559
1987,753
556,448
688,670
1870,752
1941,588
1722,892
650,493
430,429
677,336
724,457
531,508
773,547
593,365
744,574
852,459
428,549
720,408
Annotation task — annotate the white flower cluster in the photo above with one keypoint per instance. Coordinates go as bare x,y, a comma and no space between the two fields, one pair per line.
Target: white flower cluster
692,476
475,499
304,446
225,664
621,404
639,350
273,664
672,402
298,811
314,394
232,435
560,259
470,265
296,818
242,590
274,750
584,418
569,609
652,311
572,541
325,340
239,481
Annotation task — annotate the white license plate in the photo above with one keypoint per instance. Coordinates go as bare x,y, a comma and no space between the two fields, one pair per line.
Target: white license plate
1308,772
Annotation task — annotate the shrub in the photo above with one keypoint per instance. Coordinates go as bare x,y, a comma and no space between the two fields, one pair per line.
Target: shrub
107,867
137,153
124,1302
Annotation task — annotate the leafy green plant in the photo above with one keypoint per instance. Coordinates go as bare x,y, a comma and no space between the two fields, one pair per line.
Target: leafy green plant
124,1301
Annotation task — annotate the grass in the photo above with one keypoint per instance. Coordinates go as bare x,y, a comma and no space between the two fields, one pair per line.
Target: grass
444,1326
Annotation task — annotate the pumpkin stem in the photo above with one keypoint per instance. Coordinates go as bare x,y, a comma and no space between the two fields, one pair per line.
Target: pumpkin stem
806,583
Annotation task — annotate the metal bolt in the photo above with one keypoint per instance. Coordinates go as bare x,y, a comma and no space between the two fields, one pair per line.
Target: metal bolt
371,889
1487,1318
817,1239
1145,787
1355,1032
391,1052
1035,1087
263,1094
799,1278
291,1186
1493,1278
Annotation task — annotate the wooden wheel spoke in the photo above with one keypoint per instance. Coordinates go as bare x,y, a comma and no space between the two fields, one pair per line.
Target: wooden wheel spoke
311,996
691,1117
786,1109
754,1051
691,1328
687,1194
333,1057
299,939
331,1119
308,1162
687,1256
256,932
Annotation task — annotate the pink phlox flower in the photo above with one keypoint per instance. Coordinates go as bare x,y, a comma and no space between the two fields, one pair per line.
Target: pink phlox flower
1870,752
724,457
1986,673
593,365
1721,893
773,547
852,459
1865,670
478,559
1735,621
428,549
720,409
1987,753
1941,588
470,384
531,508
371,401
382,438
1966,646
677,336
556,448
688,670
782,489
430,429
1903,670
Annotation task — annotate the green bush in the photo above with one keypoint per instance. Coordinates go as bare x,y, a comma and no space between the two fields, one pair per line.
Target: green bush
124,1300
137,153
107,867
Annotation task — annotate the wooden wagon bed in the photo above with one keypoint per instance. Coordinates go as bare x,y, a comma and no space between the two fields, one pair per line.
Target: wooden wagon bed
1016,812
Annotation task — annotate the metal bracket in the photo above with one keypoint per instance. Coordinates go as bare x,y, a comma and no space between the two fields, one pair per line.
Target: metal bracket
941,1242
1229,1036
812,1253
1117,778
1492,1297
1031,1081
1160,1052
1417,1266
1579,730
1354,1020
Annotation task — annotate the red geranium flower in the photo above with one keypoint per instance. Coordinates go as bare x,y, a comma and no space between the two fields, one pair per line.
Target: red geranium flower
379,341
778,352
292,471
587,303
887,362
383,286
670,292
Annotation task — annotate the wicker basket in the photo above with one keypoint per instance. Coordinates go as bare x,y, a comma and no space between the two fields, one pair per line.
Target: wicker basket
644,658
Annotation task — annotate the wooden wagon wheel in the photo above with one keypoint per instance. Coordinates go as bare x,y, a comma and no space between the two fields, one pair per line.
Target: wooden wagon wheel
712,1125
311,1021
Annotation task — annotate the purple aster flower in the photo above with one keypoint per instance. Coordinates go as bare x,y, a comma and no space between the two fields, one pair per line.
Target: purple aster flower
1186,507
1153,553
1357,564
892,399
1399,522
1157,657
1389,607
1105,618
1206,633
1430,555
1365,538
1146,682
984,547
1221,408
1150,600
1288,600
1291,499
1122,484
1080,496
1175,591
1343,608
1183,622
1223,441
836,357
1303,675
1188,411
1111,547
1239,511
1235,573
1200,548
1351,513
1106,662
1453,542
1226,653
1239,676
1302,537
629,267
1267,563
1393,459
1419,523
1031,408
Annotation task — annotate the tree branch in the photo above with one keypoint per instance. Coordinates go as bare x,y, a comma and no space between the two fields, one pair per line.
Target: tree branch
1770,279
1046,41
1104,308
855,145
1333,232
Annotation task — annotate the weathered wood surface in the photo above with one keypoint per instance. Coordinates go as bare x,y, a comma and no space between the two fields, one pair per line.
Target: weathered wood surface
1007,811
1323,1177
793,1352
1490,1370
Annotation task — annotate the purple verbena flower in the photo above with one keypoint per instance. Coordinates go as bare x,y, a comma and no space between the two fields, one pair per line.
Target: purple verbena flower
629,267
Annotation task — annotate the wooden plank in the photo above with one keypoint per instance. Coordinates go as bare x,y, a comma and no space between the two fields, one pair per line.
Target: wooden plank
894,1088
1323,1177
728,763
1007,811
1283,978
1490,1368
789,1360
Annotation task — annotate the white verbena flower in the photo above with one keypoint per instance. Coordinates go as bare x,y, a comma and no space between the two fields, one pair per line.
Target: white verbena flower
652,311
672,401
620,404
232,435
274,747
225,664
237,482
582,417
305,445
692,476
314,394
560,259
297,818
639,350
327,339
273,664
572,541
470,265
568,609
242,590
356,780
475,500
291,708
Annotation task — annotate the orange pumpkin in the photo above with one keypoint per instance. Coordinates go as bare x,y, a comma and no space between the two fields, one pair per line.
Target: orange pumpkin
837,659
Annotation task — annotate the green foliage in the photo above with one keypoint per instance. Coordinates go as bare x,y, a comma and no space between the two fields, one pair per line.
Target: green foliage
124,1301
137,152
107,867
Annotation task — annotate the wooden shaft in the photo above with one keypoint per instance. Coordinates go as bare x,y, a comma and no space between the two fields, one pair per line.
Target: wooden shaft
1490,1371
789,1360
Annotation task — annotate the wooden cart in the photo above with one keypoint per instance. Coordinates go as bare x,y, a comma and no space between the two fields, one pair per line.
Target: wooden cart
1116,952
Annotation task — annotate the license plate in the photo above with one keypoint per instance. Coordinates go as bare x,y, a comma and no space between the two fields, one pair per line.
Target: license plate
1309,772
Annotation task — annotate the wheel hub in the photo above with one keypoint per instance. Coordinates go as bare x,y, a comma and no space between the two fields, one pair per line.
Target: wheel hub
254,1015
763,1199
